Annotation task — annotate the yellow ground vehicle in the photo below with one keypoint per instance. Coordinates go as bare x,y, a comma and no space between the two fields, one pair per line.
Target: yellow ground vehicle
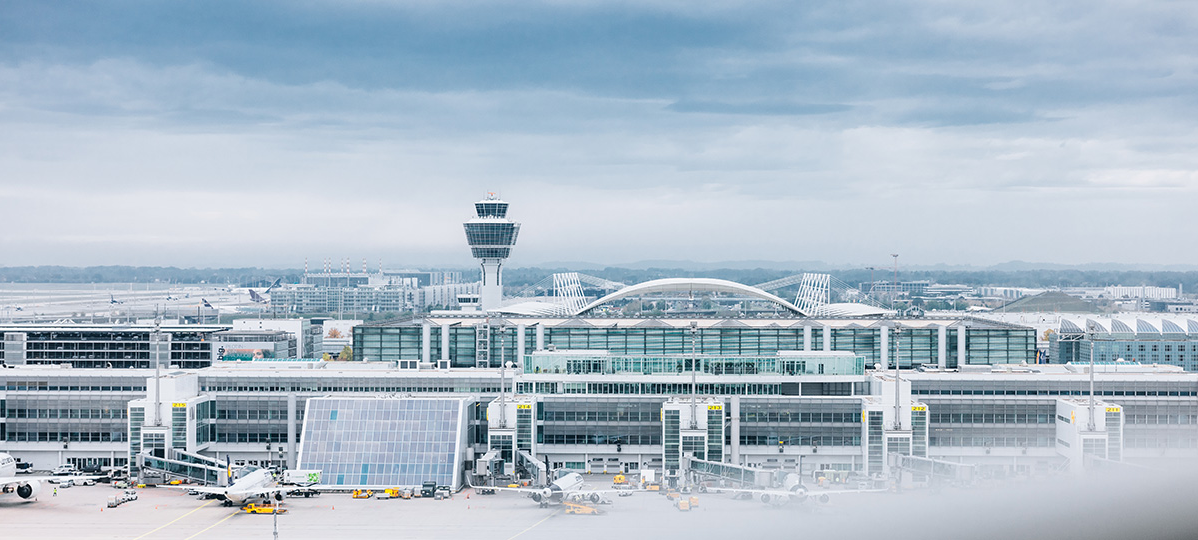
694,501
263,509
619,480
683,505
653,487
671,494
362,494
576,508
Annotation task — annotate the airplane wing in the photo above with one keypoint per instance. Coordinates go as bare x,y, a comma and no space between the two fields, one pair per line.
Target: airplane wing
807,492
226,491
6,480
516,490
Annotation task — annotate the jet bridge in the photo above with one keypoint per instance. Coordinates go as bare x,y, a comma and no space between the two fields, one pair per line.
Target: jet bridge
193,467
745,476
491,466
535,466
934,468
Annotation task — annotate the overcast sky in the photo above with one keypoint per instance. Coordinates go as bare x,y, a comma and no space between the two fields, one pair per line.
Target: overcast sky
258,133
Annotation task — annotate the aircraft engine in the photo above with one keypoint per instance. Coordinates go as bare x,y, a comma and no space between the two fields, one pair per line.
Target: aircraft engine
798,493
278,495
595,498
765,498
543,495
823,498
29,491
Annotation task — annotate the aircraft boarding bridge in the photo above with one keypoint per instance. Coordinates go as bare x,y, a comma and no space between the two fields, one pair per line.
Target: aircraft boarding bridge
193,467
745,476
491,466
934,468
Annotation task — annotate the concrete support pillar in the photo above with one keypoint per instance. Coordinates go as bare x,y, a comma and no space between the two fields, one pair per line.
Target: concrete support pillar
961,346
942,347
807,338
540,337
734,413
445,342
426,346
291,437
520,331
884,347
827,338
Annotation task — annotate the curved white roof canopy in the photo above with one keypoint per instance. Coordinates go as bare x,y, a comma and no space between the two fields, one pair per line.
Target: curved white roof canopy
848,309
691,284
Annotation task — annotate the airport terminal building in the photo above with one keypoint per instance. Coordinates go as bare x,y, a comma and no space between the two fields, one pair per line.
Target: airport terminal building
597,409
526,388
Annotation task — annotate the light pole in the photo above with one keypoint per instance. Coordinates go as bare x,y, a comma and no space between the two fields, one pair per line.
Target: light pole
502,381
894,285
694,369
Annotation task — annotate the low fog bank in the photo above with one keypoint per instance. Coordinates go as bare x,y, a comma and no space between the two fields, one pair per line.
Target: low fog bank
1128,504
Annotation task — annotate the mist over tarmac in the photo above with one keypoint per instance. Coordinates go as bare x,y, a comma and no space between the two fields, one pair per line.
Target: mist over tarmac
1129,504
1133,504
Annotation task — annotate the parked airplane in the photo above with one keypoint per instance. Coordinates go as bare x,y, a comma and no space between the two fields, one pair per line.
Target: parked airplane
796,493
112,300
250,484
257,297
569,487
26,487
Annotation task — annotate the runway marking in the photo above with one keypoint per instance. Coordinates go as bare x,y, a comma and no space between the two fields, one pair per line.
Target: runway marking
530,527
174,520
235,512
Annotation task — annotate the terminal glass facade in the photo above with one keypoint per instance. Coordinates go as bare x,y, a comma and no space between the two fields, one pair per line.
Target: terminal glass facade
383,442
910,346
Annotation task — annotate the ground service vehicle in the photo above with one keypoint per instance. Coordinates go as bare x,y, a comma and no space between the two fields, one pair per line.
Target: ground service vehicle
64,470
301,477
428,489
578,508
263,509
122,498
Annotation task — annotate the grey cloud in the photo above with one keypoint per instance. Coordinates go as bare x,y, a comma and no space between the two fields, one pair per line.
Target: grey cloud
757,108
620,131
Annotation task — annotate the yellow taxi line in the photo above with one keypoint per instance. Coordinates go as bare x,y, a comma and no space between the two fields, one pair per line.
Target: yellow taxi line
235,512
530,527
174,520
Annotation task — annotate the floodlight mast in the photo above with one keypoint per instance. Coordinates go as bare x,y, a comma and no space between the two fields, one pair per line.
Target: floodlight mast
1090,328
502,381
898,418
157,371
694,369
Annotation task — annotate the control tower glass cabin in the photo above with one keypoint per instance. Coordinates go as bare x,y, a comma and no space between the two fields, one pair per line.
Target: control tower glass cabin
491,236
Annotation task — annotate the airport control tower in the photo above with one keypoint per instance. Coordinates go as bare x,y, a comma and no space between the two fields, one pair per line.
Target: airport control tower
491,236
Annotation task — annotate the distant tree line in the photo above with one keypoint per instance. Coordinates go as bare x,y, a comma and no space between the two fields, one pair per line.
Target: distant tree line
516,278
242,277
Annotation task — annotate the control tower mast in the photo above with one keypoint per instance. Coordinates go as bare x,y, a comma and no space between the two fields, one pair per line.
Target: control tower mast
491,236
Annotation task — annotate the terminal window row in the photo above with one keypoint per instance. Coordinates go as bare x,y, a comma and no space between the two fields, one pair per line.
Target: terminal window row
989,418
1005,442
15,435
109,413
980,392
44,386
